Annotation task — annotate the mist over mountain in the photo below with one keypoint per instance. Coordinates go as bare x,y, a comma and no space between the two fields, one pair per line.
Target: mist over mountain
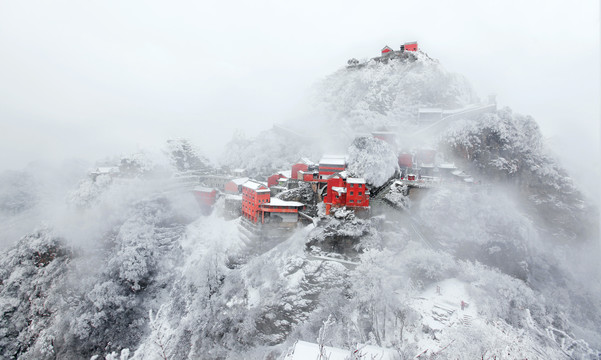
501,262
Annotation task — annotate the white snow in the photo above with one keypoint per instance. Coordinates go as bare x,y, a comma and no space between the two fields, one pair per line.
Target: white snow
342,175
304,350
355,180
447,166
374,352
305,161
254,185
339,189
307,351
286,173
240,181
203,189
279,202
107,169
339,160
430,110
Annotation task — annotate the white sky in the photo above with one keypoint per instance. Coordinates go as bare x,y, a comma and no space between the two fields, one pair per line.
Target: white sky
96,78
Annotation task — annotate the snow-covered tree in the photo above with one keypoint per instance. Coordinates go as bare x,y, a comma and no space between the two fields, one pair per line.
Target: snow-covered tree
184,156
372,159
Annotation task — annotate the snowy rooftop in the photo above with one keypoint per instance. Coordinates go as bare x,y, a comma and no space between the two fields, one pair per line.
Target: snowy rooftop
447,166
341,174
305,161
333,160
254,185
339,189
203,189
355,180
286,173
280,202
459,173
240,181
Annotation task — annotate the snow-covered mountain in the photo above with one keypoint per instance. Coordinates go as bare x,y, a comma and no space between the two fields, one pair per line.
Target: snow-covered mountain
379,95
129,267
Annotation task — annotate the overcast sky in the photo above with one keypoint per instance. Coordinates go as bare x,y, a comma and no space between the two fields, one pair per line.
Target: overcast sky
96,78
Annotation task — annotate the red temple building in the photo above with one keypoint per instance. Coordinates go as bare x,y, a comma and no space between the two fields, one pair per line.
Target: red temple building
410,46
387,49
258,206
329,165
405,160
302,165
254,194
343,191
274,179
308,176
205,196
235,186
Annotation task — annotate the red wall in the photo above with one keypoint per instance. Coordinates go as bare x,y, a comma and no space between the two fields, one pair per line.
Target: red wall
273,179
330,197
298,167
251,201
309,177
356,195
231,187
325,171
406,160
204,198
411,47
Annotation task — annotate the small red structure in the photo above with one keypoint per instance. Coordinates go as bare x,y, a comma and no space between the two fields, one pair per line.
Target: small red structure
274,179
411,46
235,186
405,160
257,205
329,165
343,191
336,194
254,194
309,176
302,165
357,194
205,196
386,50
